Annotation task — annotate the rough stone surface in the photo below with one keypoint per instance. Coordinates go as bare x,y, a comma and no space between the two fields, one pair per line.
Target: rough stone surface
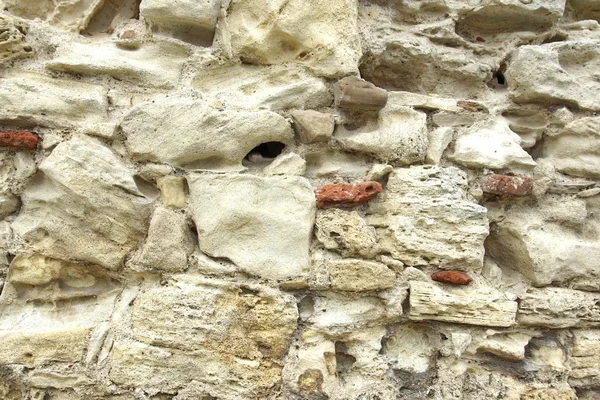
13,42
357,94
358,275
347,195
584,359
346,232
235,214
287,164
312,126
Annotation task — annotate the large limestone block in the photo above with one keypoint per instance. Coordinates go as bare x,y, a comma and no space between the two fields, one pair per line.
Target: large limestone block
346,232
354,275
156,64
423,218
322,36
492,146
396,135
466,305
183,130
585,358
556,73
13,44
559,308
272,87
84,204
543,241
31,99
263,225
70,15
576,149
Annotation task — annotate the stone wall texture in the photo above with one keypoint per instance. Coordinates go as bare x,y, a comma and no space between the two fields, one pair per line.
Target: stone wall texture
299,199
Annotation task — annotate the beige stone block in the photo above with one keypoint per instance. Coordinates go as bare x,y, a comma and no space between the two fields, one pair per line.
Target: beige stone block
172,191
313,126
355,275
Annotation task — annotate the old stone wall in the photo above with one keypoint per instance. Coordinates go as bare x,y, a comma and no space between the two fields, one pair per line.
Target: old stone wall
201,199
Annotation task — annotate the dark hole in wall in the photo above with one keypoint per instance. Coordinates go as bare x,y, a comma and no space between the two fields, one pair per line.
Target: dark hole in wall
343,360
268,151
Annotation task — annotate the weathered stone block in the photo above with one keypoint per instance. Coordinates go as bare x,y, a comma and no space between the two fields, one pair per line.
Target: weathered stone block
346,232
172,191
585,359
313,126
358,275
357,94
13,43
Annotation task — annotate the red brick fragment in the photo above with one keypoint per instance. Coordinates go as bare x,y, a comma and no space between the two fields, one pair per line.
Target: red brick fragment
19,140
452,277
347,195
506,184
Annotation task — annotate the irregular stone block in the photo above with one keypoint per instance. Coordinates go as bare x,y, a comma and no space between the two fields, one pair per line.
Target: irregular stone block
358,275
556,73
337,313
411,348
397,135
357,94
21,140
494,146
31,99
168,245
551,394
586,9
545,242
156,64
346,232
347,195
559,308
324,37
466,305
575,150
70,15
439,139
508,185
256,87
189,20
331,163
585,359
84,205
237,214
287,164
313,126
452,277
507,345
172,191
423,219
13,44
184,131
9,203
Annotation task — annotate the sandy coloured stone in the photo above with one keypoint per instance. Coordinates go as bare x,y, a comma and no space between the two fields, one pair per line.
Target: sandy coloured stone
506,184
347,195
358,94
19,140
452,277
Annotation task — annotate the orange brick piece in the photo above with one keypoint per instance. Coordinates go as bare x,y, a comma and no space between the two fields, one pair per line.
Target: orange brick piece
19,140
452,277
506,184
347,195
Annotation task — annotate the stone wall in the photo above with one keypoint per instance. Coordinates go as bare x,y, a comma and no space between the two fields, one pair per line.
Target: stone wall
202,200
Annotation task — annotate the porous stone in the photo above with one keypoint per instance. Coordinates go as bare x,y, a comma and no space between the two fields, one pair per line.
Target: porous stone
186,132
21,140
555,73
358,275
423,218
411,348
13,43
554,307
347,195
396,135
585,366
272,87
69,15
313,126
84,205
346,232
357,94
466,305
507,185
507,345
154,64
287,164
172,191
324,37
168,245
236,214
452,277
575,150
31,99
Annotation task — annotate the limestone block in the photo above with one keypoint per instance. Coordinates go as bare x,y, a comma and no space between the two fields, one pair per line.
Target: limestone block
322,36
575,150
585,359
287,164
184,131
13,44
172,191
272,87
329,163
506,345
355,275
196,20
423,219
338,313
492,146
586,9
439,139
379,172
313,126
237,214
461,304
545,243
396,135
411,348
559,308
155,64
70,15
168,245
32,99
85,204
556,73
565,393
346,232
357,94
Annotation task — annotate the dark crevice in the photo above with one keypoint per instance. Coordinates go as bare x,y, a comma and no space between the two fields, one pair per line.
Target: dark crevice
265,152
